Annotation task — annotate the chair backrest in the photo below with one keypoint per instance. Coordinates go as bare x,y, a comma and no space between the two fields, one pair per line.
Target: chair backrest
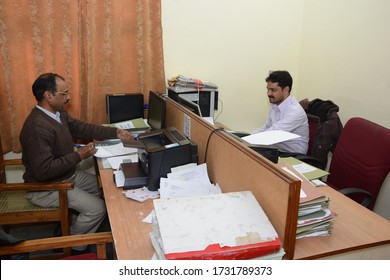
361,158
324,128
16,209
314,123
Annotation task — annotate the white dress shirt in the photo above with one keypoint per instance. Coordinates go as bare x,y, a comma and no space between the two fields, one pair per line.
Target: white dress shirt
291,117
55,116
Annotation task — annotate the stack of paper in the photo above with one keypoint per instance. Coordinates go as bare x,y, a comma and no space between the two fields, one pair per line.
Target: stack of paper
183,82
217,226
188,180
314,216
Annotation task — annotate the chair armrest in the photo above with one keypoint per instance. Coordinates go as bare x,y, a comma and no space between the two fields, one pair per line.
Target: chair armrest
36,186
305,158
43,244
7,162
352,191
312,161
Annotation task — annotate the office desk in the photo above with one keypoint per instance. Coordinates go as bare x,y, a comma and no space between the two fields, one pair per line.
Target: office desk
130,233
358,232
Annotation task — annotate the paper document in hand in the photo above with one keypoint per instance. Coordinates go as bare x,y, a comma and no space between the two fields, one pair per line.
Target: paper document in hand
220,226
135,124
269,137
113,150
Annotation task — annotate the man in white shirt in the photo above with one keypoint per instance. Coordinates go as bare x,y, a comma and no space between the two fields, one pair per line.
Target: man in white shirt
285,113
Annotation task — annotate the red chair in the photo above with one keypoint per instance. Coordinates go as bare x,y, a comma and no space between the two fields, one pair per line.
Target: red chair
361,161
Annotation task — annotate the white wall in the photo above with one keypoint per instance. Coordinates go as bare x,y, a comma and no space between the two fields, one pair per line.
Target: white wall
334,49
233,44
345,56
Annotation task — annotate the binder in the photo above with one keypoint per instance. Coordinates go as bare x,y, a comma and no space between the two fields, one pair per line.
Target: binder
218,226
314,216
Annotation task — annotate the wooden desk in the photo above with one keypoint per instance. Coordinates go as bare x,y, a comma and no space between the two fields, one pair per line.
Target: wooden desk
358,233
130,233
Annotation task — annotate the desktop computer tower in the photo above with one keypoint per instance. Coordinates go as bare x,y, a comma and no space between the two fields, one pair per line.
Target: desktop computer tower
206,99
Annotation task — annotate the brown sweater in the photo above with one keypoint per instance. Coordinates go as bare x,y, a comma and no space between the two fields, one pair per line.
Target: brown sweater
48,148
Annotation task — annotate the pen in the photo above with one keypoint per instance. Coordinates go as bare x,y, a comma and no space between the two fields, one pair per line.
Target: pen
82,145
79,145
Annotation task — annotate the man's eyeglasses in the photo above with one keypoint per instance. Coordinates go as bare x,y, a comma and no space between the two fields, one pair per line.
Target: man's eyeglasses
63,93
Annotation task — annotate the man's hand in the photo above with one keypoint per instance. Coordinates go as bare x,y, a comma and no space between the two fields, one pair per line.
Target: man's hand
87,150
124,134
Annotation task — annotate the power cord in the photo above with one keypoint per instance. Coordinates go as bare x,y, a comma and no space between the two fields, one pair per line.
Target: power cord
220,112
208,140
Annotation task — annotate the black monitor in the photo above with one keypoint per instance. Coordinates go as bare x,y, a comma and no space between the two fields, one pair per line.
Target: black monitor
124,106
156,111
192,106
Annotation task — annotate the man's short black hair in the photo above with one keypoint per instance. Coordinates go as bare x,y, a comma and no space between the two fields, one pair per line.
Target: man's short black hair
283,78
45,82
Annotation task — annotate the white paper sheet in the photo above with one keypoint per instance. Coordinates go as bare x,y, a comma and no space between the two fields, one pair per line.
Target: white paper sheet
115,162
177,188
198,173
113,150
269,137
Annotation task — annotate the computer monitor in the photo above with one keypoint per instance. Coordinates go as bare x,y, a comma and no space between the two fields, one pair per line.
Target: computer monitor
156,111
192,106
124,106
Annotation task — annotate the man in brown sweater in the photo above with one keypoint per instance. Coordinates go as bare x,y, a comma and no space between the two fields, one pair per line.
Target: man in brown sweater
48,153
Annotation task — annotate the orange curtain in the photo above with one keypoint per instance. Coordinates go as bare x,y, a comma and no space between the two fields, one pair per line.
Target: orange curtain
98,46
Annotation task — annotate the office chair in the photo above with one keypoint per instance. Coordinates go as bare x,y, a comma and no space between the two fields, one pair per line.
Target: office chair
324,130
15,209
361,161
313,156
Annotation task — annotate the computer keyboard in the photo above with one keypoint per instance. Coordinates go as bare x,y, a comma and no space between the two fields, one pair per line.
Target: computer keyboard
107,142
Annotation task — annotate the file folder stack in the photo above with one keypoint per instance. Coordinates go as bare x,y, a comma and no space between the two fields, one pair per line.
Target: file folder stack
314,216
217,226
189,83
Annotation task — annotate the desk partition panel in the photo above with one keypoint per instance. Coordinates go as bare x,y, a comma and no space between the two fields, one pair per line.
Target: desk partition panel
236,167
